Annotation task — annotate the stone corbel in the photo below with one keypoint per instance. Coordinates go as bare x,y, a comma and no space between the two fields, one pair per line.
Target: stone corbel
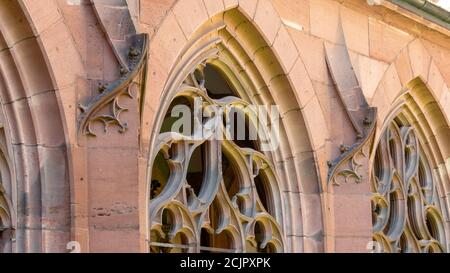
130,49
109,95
349,165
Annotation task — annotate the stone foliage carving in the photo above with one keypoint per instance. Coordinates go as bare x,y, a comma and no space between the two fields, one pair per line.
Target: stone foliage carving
351,168
405,204
226,211
351,164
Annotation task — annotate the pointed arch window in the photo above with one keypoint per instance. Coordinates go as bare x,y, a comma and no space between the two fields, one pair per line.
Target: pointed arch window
406,210
211,194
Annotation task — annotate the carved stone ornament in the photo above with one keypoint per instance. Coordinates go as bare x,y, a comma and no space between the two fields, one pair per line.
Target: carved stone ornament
109,95
348,166
224,210
406,211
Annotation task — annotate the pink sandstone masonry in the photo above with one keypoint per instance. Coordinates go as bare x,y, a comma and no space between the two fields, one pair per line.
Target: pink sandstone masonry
85,85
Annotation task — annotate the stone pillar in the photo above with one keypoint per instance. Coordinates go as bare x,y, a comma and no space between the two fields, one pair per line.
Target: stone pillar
348,186
109,124
112,177
350,205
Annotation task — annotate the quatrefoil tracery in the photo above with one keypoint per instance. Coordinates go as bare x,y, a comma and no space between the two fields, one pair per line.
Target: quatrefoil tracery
405,205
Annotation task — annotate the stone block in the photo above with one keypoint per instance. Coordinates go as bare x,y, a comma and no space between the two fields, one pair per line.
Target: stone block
43,14
62,55
248,7
293,13
355,26
214,7
301,83
435,80
325,22
353,244
267,20
46,114
315,120
352,214
285,48
190,14
152,13
385,41
312,53
28,56
420,59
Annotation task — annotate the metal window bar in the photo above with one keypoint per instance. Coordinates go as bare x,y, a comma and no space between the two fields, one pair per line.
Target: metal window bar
218,250
182,246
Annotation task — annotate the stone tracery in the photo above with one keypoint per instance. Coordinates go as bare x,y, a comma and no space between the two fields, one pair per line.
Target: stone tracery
7,190
406,211
211,195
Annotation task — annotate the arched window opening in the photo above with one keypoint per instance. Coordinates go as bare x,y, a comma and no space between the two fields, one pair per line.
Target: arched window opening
177,110
233,181
406,218
422,175
216,84
205,241
241,130
378,171
194,176
212,181
403,244
263,191
167,239
262,246
160,175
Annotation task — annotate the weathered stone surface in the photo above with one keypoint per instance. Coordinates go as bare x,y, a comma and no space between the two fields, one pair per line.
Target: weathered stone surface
312,53
328,27
420,59
285,48
267,20
188,23
370,73
63,185
355,27
294,13
152,14
385,41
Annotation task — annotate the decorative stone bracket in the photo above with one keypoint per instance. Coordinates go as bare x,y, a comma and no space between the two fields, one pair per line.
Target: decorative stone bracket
131,52
109,94
348,165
